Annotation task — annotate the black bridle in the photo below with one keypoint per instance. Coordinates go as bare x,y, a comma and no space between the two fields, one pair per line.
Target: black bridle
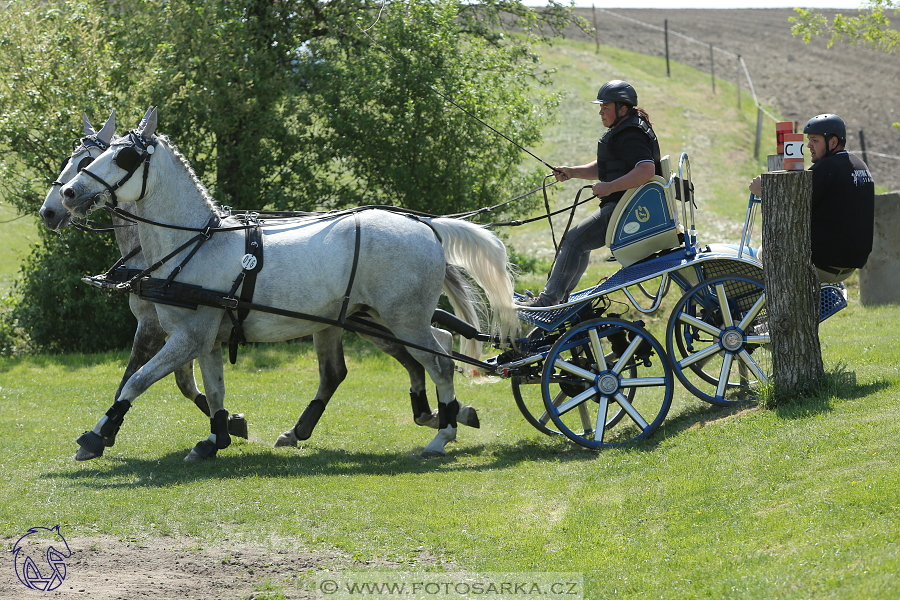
129,158
85,143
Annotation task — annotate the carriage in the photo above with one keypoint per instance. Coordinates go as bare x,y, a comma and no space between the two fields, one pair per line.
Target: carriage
582,371
585,373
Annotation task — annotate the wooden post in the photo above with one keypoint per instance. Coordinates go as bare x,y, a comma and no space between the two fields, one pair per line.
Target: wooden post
596,33
712,68
759,116
739,81
792,286
668,72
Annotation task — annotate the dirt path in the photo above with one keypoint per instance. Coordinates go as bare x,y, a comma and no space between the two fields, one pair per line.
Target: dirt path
801,80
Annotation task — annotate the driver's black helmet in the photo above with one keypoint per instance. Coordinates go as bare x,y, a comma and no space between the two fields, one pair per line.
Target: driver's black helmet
826,125
617,91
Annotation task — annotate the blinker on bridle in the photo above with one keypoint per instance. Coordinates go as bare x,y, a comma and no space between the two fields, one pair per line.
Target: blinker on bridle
91,141
129,158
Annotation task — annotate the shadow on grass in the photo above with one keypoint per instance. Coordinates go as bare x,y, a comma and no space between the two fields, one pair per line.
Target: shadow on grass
246,461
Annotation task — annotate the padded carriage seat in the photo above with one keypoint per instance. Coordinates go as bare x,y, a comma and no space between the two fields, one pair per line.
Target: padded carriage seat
645,220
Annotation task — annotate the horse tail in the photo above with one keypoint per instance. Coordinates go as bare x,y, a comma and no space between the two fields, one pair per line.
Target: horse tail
465,300
483,256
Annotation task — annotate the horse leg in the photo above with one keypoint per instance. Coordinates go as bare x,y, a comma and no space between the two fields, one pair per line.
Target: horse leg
421,410
176,351
184,379
211,369
332,371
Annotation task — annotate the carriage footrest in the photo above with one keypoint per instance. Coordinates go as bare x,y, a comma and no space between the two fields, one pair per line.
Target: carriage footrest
832,299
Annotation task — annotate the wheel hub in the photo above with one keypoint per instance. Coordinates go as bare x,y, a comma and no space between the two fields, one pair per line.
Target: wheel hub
732,341
607,384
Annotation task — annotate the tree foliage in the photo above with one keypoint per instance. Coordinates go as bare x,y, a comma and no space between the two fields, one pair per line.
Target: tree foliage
287,104
871,27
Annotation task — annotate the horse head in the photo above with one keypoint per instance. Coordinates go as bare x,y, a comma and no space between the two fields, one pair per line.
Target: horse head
111,175
92,145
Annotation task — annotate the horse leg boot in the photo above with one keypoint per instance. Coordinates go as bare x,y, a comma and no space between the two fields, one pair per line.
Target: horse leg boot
184,379
92,443
211,369
332,371
447,413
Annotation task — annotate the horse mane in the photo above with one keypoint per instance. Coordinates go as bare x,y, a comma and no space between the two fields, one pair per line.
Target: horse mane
204,192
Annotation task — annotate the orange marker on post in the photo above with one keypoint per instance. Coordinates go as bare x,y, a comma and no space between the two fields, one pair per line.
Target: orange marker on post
781,129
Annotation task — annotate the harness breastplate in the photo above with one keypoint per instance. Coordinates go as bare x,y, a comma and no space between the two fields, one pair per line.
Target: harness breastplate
609,166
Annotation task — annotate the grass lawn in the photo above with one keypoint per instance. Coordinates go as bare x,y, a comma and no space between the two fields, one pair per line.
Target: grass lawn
795,503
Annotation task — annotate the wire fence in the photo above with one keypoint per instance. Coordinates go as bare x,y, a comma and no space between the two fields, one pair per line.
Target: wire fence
729,54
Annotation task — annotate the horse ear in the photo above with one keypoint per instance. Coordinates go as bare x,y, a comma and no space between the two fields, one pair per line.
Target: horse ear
88,128
148,124
106,134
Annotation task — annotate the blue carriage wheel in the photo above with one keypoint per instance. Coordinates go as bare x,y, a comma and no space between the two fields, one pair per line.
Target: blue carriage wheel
606,382
717,339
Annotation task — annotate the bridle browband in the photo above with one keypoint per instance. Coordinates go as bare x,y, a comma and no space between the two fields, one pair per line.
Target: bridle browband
129,158
86,143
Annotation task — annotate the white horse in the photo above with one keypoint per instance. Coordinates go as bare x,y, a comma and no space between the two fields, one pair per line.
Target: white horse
149,336
307,266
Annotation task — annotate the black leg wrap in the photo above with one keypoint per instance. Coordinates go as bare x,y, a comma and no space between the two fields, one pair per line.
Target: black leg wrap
114,417
307,421
200,401
237,425
219,426
205,449
419,402
447,414
91,442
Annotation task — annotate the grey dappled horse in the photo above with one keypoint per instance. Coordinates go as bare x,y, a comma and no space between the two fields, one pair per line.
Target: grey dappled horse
308,263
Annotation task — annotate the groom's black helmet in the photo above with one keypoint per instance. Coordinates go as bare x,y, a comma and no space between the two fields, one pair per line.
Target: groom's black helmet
617,91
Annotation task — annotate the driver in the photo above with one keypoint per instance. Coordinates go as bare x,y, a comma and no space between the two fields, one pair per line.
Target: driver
842,222
627,157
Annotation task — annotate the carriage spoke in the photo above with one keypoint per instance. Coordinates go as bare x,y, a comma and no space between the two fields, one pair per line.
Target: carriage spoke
723,376
751,364
557,400
598,349
600,429
626,356
563,365
577,400
748,318
723,305
757,339
706,352
631,410
586,424
642,382
701,325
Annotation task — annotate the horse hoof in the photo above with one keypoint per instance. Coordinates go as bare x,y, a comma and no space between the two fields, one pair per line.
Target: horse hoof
193,457
237,425
288,438
82,454
468,416
429,419
436,446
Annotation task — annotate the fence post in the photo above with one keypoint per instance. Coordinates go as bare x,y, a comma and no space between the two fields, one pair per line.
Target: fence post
668,72
759,117
862,148
712,68
596,33
739,80
792,286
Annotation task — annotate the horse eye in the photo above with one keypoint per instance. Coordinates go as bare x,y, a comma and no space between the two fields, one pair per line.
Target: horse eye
85,162
127,158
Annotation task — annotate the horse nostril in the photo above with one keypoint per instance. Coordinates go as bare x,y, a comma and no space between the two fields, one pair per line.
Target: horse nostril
48,214
69,193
